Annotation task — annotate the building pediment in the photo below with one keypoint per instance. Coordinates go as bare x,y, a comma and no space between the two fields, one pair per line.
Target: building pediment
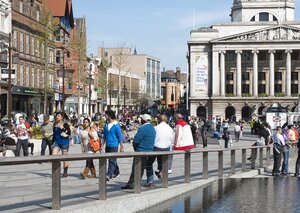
270,34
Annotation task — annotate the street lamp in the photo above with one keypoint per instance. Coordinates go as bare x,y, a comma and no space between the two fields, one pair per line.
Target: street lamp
124,92
90,87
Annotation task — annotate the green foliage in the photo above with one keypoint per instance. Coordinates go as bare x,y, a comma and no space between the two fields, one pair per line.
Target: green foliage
229,95
279,94
262,95
36,132
246,95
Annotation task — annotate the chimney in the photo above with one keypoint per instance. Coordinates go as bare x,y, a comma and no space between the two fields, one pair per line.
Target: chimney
178,74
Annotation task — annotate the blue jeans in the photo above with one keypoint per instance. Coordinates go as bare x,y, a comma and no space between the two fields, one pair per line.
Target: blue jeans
113,168
146,164
24,144
45,143
159,157
285,162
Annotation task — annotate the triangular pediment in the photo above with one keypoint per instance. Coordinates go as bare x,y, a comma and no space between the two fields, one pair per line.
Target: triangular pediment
277,33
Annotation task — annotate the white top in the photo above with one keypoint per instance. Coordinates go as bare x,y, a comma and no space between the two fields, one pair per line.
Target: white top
164,136
84,139
109,125
237,128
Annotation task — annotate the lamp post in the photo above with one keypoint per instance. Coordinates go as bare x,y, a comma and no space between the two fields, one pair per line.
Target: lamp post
90,88
9,97
124,92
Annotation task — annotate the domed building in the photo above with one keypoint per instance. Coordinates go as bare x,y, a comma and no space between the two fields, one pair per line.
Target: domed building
239,68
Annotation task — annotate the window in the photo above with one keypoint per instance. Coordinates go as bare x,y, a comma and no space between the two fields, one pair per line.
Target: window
262,56
37,48
264,17
229,56
15,39
229,88
27,48
21,75
294,88
278,56
295,55
278,88
229,76
21,6
32,77
37,15
58,57
261,76
21,42
32,46
295,76
105,54
38,80
245,88
278,76
246,56
253,18
42,50
245,76
261,88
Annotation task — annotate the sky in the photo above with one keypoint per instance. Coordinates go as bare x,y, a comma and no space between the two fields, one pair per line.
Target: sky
159,28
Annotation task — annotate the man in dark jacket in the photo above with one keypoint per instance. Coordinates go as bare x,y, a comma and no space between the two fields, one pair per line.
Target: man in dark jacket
143,142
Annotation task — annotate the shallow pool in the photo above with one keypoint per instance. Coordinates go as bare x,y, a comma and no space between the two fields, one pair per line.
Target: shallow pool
239,195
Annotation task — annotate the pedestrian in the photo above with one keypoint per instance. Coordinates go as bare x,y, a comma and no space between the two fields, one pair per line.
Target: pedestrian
183,134
285,152
204,134
277,151
61,138
22,133
113,140
226,138
143,142
237,132
85,135
225,126
297,167
164,138
252,126
47,133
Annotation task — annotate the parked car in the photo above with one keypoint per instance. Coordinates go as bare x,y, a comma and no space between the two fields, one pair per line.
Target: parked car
4,120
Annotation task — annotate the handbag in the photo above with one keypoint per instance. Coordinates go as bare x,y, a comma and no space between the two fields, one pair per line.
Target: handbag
64,135
95,144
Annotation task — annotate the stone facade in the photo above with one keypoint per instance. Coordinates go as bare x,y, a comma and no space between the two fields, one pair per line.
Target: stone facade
239,68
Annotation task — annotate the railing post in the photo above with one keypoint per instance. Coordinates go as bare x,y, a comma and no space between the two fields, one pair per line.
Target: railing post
232,161
220,163
165,174
253,157
268,155
187,167
137,163
243,159
102,179
261,157
56,185
205,165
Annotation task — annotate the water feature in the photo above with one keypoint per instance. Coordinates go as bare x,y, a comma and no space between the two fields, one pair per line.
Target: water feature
238,195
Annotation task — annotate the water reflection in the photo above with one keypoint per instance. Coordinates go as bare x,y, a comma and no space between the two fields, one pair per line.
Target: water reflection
239,195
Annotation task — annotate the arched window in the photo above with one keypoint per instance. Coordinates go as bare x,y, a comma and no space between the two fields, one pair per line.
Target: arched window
264,16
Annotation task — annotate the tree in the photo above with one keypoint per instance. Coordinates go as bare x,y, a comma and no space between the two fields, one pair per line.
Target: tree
45,36
121,60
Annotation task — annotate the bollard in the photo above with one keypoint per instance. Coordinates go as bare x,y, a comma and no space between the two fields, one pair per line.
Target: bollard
220,163
205,165
56,185
102,179
261,157
137,163
253,157
232,161
187,167
243,159
165,175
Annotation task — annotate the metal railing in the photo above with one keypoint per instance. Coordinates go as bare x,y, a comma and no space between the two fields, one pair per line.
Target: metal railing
56,165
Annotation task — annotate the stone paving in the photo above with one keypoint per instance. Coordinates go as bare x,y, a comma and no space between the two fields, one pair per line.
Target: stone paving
27,188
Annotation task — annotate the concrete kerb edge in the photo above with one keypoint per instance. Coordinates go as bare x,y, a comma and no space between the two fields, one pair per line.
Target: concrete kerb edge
148,199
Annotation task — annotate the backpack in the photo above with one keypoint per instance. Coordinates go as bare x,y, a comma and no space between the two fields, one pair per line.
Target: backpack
296,134
95,144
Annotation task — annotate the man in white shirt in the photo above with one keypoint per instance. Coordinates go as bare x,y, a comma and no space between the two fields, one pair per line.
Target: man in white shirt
277,150
163,140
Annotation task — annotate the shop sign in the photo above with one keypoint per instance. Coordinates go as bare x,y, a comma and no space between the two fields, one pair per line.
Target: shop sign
5,72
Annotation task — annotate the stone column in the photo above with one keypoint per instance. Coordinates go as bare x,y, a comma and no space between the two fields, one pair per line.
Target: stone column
271,73
238,73
222,68
288,72
215,74
255,73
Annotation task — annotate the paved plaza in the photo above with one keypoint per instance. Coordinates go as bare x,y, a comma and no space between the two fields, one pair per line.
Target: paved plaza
27,188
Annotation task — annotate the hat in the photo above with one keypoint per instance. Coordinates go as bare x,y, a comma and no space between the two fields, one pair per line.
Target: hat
146,117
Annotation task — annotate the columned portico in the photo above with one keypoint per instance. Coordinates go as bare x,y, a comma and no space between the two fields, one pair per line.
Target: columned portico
288,72
222,68
255,72
271,73
238,73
